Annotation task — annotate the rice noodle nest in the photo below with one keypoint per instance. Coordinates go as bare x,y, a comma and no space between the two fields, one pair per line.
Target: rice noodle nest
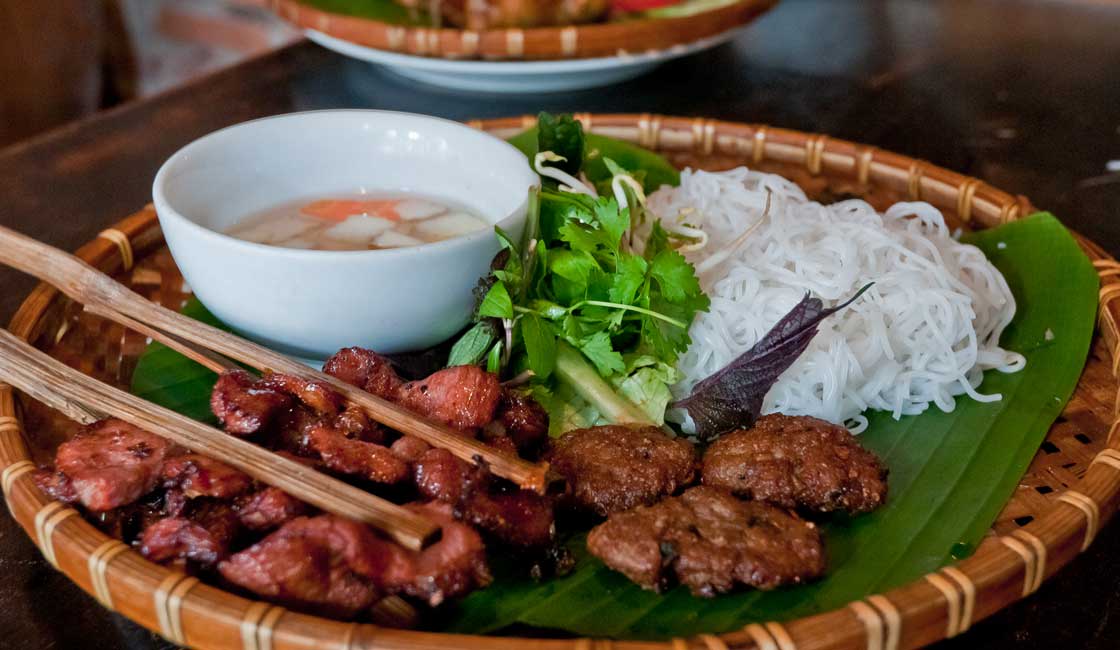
923,333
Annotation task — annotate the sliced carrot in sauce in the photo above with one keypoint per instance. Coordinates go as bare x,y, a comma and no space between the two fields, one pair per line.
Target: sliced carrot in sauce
339,209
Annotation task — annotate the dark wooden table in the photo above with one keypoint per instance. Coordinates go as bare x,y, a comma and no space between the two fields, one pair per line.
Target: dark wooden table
1023,94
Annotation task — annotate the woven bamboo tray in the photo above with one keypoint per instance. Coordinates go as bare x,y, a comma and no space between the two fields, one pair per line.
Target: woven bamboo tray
571,42
1069,491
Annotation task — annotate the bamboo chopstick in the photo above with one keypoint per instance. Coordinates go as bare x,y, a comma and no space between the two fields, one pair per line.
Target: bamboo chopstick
57,385
107,297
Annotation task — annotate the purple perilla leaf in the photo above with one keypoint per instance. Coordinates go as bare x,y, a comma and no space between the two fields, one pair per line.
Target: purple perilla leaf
732,397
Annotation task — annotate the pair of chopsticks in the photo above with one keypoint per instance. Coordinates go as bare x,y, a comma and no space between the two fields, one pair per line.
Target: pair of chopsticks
87,399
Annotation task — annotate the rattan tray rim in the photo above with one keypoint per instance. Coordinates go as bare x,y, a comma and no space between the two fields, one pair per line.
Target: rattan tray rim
1004,568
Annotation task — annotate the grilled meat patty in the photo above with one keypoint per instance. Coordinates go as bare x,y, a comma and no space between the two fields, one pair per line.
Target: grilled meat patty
615,467
797,462
710,541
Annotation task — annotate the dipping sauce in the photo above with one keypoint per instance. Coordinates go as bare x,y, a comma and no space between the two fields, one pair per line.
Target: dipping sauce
358,222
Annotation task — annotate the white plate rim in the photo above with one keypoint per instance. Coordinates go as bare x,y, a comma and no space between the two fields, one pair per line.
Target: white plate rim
500,67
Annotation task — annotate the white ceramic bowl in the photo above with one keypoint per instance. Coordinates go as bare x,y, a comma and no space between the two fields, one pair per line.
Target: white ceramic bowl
311,303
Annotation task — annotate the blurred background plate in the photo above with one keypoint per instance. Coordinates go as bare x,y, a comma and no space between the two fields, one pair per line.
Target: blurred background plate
518,76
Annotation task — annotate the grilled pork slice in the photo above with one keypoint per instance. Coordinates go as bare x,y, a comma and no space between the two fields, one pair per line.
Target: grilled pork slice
462,397
518,518
366,459
243,405
198,476
108,464
307,418
331,566
521,419
365,369
323,565
269,508
452,567
202,535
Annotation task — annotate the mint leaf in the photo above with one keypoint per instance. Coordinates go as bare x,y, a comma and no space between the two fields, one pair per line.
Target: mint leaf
558,208
540,344
565,291
548,309
576,266
508,277
507,264
494,358
572,329
471,347
497,303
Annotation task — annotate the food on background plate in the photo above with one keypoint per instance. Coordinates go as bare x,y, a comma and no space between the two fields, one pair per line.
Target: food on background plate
494,14
359,222
499,14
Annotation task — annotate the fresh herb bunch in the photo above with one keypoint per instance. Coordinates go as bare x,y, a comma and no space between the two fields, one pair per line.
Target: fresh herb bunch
579,306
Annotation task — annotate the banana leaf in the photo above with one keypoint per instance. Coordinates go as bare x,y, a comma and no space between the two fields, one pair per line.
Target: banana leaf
169,379
951,473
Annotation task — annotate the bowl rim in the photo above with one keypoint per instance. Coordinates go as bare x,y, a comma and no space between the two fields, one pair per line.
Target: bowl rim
166,212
